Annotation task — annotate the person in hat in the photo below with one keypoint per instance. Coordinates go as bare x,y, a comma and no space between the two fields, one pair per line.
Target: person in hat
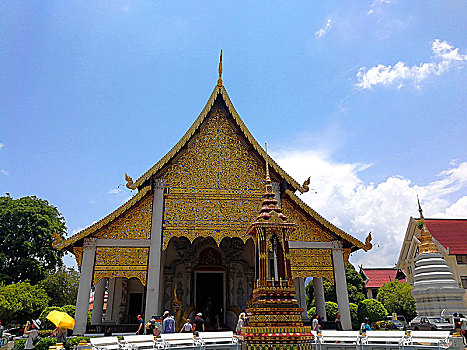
198,323
187,327
32,331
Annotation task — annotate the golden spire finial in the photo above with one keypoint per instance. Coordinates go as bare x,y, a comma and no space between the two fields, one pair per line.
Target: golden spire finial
219,81
426,239
420,208
268,179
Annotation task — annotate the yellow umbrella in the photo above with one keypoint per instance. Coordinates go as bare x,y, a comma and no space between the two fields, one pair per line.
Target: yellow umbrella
61,319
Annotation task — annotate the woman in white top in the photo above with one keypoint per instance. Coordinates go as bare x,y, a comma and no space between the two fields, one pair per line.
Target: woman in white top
240,323
32,332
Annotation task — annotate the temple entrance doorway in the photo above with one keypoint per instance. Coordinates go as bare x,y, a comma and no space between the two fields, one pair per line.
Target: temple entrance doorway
210,298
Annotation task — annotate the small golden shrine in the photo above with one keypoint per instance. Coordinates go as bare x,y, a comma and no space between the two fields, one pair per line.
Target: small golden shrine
275,320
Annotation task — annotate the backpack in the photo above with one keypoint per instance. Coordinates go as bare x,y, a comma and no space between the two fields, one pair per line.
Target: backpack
36,340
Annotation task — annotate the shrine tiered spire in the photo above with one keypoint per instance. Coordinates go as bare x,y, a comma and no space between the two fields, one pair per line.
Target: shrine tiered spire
426,239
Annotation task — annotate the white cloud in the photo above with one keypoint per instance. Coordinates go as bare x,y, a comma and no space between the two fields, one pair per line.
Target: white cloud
4,172
323,31
445,56
1,145
383,208
115,191
376,6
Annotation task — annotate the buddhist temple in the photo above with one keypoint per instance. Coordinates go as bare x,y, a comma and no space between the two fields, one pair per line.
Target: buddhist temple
435,290
184,232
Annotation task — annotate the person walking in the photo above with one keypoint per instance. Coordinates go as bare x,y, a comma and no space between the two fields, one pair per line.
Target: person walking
32,331
168,325
198,324
61,334
140,330
365,326
240,323
338,323
315,323
187,327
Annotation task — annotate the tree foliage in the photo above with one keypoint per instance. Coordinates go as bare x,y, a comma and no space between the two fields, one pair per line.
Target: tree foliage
61,286
397,297
371,309
27,225
20,302
355,288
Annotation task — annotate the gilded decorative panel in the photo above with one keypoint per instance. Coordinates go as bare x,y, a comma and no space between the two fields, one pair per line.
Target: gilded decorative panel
125,262
312,263
215,187
78,252
306,230
133,224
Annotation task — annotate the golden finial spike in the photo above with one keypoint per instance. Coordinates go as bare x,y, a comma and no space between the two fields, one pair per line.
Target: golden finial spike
420,208
219,81
268,179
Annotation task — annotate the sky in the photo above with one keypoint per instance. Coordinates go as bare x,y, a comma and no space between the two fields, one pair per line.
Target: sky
366,97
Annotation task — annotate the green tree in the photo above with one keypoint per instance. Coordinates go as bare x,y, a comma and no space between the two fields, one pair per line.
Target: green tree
21,301
397,297
26,233
354,316
355,288
371,309
61,286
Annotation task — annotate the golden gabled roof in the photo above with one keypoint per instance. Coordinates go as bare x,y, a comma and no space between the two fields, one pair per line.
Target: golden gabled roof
60,244
334,229
218,90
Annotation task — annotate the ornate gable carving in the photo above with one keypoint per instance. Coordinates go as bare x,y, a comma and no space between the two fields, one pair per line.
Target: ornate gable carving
306,229
214,187
134,224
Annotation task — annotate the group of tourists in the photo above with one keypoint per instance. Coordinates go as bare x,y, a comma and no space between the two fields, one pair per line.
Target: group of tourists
317,322
168,325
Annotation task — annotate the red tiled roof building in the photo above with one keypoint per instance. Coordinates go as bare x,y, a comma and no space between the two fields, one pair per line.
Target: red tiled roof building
450,239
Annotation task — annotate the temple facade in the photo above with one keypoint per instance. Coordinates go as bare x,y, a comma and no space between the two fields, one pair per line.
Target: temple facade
183,233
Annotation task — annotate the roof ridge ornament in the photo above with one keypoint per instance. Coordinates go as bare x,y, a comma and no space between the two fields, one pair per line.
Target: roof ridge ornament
219,81
268,178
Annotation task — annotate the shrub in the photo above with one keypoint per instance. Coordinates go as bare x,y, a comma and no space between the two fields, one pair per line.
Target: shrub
331,310
44,343
371,309
311,312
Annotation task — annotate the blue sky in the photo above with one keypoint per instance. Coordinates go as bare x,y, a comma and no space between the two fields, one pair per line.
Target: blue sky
367,97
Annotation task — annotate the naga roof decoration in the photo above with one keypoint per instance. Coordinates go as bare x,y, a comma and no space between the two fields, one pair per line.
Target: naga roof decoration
60,244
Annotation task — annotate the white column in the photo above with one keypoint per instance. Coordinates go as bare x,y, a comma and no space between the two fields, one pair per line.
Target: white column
84,289
153,291
98,305
319,297
117,299
341,285
110,300
300,290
